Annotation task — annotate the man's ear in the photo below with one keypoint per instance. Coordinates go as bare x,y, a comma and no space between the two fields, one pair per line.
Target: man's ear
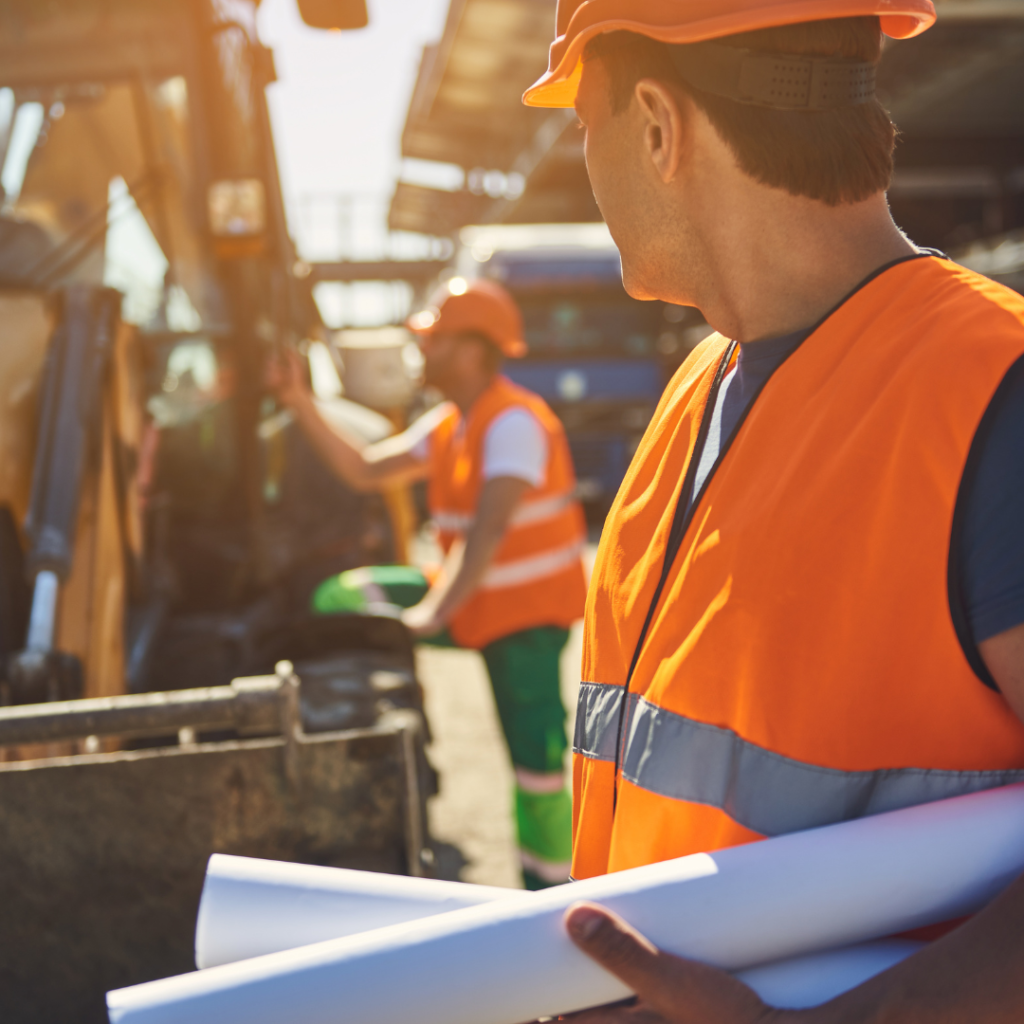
665,126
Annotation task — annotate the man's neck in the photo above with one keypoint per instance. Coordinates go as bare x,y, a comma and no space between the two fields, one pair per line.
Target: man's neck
780,263
464,393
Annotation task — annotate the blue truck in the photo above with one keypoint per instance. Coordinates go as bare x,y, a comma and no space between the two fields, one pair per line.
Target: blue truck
598,357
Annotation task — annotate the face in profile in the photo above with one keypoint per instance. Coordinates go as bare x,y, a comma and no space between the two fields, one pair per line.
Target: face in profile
643,202
613,149
440,352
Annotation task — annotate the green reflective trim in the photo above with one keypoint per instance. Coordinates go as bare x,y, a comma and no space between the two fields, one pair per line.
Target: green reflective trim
597,720
544,824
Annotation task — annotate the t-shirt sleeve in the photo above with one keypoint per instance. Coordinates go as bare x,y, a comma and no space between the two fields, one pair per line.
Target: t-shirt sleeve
992,537
516,445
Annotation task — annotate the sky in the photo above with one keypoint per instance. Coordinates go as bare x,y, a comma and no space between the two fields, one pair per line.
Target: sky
340,101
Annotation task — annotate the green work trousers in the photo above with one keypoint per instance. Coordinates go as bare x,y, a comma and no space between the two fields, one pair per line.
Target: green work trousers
525,679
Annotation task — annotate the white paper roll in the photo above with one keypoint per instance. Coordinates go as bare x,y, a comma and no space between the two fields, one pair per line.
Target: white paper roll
252,907
511,961
811,980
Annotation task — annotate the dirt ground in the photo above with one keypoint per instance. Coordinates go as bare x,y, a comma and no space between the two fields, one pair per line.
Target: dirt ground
471,818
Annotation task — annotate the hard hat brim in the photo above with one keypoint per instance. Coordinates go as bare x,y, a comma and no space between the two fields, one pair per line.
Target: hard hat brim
511,348
901,19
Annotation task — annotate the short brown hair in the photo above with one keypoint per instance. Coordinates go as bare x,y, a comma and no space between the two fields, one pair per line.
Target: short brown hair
836,156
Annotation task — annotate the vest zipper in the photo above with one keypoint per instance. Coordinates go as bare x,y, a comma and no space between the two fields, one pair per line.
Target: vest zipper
680,523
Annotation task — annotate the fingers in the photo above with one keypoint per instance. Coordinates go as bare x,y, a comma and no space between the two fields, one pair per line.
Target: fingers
615,945
670,988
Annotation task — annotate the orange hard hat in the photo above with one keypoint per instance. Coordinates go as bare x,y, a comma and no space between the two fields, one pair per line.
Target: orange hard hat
695,21
480,306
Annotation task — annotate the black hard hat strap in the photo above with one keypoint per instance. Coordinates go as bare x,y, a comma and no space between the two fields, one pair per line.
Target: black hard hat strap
778,80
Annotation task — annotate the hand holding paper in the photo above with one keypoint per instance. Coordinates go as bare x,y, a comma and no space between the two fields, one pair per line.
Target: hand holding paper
670,989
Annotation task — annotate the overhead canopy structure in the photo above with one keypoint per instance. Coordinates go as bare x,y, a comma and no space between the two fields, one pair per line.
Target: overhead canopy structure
489,48
954,92
467,109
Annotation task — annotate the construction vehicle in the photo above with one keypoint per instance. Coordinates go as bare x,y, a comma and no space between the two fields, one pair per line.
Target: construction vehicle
167,692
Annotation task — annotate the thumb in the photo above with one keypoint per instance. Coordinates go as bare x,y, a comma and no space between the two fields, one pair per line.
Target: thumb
616,946
664,983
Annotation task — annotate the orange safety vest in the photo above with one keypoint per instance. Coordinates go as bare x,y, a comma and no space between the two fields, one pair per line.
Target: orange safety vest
802,666
536,578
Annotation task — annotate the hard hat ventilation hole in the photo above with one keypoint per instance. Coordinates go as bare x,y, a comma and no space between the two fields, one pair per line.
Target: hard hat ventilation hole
783,81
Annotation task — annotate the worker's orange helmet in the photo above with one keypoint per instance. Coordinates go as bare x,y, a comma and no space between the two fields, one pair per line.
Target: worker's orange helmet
479,306
695,21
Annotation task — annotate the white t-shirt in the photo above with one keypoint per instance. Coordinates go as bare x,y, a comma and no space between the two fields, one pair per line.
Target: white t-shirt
515,444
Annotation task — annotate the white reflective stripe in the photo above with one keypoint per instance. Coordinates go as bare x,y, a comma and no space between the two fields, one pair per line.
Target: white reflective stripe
540,782
530,512
527,513
452,522
536,567
554,873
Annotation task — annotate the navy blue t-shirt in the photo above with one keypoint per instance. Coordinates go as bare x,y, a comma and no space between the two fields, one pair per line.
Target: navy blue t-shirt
990,538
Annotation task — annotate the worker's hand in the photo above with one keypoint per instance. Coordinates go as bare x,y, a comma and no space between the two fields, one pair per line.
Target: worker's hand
669,990
286,378
423,619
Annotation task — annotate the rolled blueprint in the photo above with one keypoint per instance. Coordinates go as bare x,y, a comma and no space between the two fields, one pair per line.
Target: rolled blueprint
511,960
251,907
805,981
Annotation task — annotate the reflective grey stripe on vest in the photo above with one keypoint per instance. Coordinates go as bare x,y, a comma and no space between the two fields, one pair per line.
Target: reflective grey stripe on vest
597,720
676,757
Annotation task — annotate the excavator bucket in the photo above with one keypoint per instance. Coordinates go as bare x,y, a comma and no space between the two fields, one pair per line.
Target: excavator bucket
104,854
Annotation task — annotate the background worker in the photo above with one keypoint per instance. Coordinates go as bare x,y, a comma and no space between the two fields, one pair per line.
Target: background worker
808,601
501,493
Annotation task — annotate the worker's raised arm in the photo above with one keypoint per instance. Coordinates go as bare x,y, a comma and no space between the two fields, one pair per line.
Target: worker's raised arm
363,466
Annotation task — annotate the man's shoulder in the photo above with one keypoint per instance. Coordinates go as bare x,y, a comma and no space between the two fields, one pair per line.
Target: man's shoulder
929,311
513,393
515,396
966,300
